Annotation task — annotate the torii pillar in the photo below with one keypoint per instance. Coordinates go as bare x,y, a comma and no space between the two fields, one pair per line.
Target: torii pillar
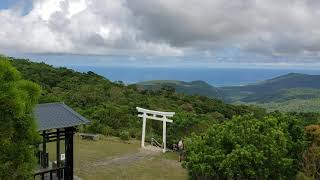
155,115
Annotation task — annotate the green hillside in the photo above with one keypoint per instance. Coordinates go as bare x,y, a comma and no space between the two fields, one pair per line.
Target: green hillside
192,88
291,92
271,90
223,141
111,105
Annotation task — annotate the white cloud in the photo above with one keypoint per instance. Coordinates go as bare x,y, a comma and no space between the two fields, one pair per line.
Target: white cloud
263,30
79,27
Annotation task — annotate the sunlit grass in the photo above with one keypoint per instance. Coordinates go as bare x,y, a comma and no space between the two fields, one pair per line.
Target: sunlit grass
87,152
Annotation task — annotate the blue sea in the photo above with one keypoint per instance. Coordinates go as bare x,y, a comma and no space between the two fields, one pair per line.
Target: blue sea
215,76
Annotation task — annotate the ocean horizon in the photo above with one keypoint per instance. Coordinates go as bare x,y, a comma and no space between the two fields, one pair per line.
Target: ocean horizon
214,76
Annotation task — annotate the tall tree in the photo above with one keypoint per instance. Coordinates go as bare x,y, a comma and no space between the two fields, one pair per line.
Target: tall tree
17,126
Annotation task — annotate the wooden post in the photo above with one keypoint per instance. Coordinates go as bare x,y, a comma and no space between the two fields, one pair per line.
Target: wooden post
69,153
58,153
143,129
164,133
44,150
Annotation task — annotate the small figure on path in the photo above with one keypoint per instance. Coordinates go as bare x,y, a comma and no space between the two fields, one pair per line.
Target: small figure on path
180,148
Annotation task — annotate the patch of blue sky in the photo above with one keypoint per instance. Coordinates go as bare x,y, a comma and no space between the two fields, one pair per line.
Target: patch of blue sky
24,5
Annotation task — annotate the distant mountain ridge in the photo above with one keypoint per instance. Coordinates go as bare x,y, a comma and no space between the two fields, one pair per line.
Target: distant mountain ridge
290,92
271,88
291,80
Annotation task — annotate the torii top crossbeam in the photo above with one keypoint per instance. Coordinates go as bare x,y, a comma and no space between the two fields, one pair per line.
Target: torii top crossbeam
155,115
160,113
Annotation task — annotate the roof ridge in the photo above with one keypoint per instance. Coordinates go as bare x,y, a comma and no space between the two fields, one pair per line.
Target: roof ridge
75,113
57,115
50,103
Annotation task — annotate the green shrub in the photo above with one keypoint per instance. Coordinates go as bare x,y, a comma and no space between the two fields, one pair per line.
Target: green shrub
108,131
302,176
247,148
135,132
18,128
124,135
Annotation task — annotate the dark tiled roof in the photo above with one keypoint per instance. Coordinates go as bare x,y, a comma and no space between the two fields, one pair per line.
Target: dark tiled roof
57,115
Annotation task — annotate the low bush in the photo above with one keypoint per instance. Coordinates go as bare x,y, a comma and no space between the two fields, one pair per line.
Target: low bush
124,135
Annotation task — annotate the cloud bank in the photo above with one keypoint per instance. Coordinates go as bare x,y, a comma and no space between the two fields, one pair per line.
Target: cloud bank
235,30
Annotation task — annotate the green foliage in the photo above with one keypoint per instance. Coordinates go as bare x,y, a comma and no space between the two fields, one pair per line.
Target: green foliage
288,93
311,157
111,105
124,135
247,148
272,89
226,143
302,176
293,105
18,129
293,92
192,88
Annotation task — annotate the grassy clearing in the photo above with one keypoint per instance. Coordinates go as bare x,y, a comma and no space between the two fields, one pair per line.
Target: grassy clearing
111,158
152,168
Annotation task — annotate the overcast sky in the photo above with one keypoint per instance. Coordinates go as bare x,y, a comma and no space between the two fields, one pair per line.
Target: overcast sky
278,33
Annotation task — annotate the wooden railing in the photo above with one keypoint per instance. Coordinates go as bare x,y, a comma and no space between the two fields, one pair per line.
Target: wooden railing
43,159
154,142
54,173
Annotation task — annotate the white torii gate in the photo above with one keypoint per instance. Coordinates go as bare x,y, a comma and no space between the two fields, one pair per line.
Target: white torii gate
155,115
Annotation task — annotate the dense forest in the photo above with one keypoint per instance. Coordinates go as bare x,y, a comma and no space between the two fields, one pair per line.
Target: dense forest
192,88
292,92
223,141
111,105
